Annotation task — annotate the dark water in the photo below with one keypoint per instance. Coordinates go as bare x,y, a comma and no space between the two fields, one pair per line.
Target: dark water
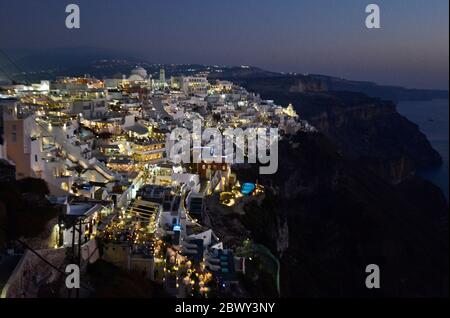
432,118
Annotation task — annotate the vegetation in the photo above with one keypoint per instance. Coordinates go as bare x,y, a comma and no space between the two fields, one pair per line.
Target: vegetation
262,219
24,210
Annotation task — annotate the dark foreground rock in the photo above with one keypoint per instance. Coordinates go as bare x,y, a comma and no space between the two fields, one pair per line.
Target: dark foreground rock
340,217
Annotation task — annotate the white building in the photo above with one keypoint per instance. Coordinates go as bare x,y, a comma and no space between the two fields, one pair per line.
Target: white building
139,75
195,85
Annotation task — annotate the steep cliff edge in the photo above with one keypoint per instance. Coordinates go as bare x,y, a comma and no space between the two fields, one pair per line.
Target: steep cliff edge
394,93
347,197
342,217
363,128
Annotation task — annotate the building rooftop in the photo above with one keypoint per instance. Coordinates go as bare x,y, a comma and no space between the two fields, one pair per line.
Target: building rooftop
137,129
83,208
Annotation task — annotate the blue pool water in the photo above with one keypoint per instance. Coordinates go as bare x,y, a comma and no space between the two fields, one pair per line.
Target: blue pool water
247,188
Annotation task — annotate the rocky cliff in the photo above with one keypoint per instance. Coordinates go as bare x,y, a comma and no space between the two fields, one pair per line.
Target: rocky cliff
394,93
347,197
341,217
363,128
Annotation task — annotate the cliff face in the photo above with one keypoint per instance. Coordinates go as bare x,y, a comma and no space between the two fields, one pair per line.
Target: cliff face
306,84
348,197
394,93
376,134
341,217
363,128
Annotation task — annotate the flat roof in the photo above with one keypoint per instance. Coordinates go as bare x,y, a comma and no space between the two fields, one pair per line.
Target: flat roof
138,129
83,208
109,146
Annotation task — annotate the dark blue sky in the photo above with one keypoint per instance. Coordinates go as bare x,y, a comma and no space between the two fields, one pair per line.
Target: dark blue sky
316,36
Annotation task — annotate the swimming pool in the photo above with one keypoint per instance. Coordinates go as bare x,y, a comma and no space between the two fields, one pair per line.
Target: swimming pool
248,188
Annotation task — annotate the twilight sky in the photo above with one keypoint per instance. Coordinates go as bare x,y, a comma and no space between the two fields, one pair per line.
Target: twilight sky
315,36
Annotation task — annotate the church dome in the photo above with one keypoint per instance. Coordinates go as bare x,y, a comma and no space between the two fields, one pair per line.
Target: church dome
140,71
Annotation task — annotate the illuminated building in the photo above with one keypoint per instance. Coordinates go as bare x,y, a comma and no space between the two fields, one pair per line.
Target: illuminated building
93,108
20,138
195,85
148,151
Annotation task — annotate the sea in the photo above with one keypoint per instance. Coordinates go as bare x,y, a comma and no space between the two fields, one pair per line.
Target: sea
432,118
